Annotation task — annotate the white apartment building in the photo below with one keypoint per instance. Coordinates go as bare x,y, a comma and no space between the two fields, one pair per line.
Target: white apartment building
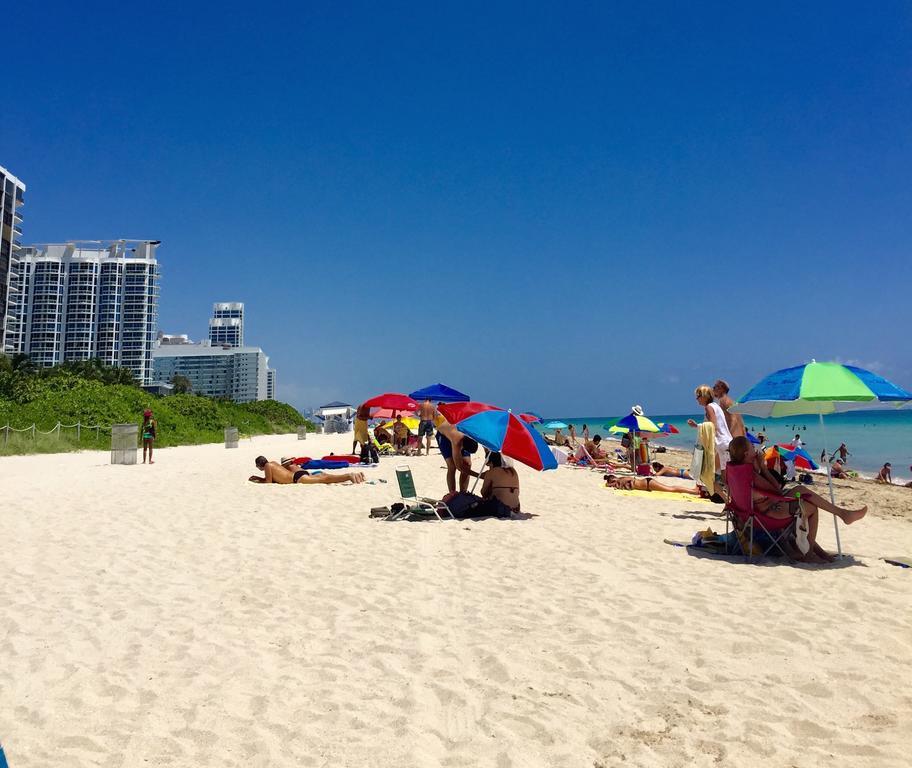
82,300
11,198
271,384
226,326
238,373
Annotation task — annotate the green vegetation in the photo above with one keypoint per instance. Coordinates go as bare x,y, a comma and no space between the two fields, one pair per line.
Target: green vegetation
93,394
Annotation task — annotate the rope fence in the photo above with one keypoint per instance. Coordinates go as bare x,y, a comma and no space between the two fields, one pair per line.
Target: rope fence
55,430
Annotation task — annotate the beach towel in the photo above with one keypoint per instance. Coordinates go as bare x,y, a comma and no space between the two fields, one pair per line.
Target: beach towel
662,495
707,440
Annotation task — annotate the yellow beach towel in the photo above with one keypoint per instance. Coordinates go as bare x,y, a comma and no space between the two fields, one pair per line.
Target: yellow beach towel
661,495
707,439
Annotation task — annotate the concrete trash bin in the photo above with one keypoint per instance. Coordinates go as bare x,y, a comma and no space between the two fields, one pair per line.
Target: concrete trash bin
124,443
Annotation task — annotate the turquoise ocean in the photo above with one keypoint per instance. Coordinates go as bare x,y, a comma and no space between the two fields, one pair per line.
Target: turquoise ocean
872,437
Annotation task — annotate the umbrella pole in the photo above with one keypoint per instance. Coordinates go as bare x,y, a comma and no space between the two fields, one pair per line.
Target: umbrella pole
830,484
475,484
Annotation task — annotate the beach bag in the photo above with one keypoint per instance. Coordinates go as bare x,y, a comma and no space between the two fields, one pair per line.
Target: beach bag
696,463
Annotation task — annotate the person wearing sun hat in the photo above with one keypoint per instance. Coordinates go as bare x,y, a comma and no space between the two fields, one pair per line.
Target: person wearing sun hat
148,432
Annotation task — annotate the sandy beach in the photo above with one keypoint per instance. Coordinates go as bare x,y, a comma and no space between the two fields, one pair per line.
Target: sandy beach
177,615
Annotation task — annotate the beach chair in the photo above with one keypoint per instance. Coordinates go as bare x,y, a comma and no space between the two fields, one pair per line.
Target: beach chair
415,504
740,514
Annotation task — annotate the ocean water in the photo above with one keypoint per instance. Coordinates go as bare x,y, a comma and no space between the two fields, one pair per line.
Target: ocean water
872,437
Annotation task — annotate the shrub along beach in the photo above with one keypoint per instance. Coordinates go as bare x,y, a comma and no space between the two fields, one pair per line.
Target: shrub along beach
94,395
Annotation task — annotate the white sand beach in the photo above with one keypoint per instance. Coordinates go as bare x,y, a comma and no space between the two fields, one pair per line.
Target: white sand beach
177,615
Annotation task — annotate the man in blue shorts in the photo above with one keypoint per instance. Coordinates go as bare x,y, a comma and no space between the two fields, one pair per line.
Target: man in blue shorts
457,449
426,413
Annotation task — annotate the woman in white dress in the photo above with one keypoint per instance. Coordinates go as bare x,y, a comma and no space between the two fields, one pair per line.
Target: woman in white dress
716,416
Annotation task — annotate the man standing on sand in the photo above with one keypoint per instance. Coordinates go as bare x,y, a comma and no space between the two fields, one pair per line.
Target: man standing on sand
456,449
361,434
733,420
843,453
427,413
294,475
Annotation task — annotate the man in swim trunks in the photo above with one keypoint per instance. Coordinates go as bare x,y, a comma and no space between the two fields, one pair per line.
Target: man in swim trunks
734,420
426,413
361,434
294,475
456,449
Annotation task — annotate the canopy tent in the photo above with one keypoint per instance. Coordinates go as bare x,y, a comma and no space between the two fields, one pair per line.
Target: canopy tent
439,393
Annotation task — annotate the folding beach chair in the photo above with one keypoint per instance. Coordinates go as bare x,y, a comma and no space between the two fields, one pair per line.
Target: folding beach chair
415,504
744,519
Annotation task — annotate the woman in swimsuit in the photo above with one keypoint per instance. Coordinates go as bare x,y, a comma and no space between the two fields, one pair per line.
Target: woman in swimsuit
647,484
661,470
148,434
500,489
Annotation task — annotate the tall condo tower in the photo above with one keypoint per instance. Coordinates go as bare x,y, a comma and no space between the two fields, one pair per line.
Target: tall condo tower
11,198
226,326
82,300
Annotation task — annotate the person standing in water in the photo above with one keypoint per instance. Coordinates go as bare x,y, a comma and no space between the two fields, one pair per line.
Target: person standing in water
148,433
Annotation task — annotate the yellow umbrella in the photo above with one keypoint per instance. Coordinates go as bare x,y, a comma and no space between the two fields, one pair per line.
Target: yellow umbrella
411,423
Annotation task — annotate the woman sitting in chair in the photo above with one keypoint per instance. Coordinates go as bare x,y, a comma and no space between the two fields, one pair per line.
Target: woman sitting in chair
767,499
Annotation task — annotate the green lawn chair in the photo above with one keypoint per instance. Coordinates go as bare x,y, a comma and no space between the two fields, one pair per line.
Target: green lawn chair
415,504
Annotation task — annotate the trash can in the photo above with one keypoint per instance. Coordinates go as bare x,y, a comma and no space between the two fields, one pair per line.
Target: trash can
231,437
302,433
123,443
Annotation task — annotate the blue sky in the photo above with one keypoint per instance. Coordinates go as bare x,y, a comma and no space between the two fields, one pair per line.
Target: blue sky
567,207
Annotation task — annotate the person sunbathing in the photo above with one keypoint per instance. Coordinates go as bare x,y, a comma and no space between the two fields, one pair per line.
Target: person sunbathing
648,484
763,489
660,470
292,474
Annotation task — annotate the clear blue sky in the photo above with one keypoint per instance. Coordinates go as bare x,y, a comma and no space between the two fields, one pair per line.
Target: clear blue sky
567,207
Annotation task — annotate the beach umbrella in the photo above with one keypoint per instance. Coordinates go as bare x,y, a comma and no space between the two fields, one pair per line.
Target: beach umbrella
389,413
668,429
790,452
820,388
637,423
410,422
439,393
555,425
395,401
752,438
530,418
500,430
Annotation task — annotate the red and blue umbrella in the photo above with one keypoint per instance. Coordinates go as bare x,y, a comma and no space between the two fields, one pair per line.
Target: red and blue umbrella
500,430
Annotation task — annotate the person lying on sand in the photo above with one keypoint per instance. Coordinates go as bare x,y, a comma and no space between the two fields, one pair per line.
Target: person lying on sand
661,470
742,452
647,484
294,475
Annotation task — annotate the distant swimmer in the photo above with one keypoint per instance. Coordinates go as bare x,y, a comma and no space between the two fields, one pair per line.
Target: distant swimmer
292,474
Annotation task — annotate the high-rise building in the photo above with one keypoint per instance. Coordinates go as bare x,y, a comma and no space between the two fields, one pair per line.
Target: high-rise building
83,300
270,384
238,373
11,198
226,326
